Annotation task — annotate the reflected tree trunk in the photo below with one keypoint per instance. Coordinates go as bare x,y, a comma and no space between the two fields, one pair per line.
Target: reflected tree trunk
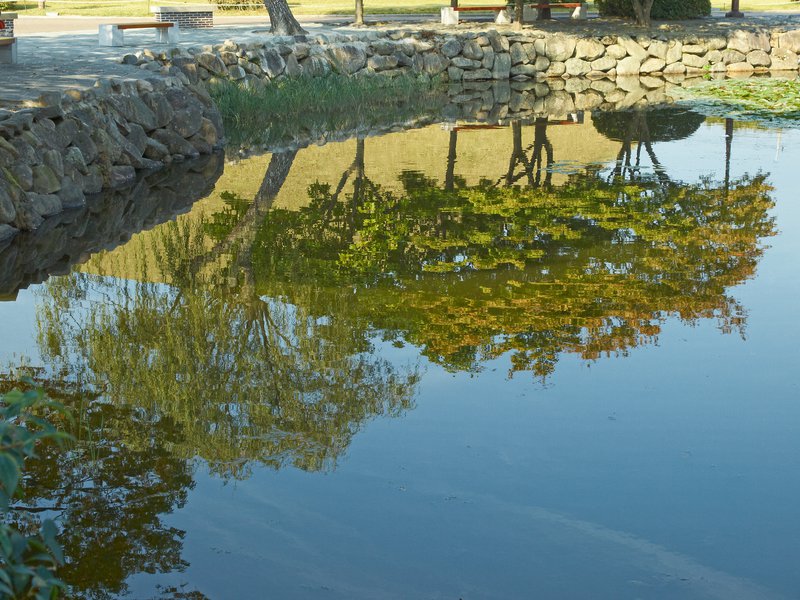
243,234
728,144
281,19
532,169
449,176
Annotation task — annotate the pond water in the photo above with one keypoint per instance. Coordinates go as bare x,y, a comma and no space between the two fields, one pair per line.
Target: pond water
552,358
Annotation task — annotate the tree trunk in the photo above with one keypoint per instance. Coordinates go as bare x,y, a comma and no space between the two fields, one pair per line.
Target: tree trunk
281,19
544,14
642,10
518,12
359,12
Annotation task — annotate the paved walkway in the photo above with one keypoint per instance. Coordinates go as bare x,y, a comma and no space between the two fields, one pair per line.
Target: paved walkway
58,53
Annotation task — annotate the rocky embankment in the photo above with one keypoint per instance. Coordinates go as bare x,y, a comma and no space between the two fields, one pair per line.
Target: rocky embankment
84,141
490,56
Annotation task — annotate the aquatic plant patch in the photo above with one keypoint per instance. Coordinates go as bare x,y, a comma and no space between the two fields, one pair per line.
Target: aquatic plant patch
762,99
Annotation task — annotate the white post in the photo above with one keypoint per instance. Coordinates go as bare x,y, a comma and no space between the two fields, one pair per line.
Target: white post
580,12
502,17
110,35
449,16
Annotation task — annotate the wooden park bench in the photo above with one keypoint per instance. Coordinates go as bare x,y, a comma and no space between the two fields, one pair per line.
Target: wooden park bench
450,13
112,34
503,13
532,11
8,50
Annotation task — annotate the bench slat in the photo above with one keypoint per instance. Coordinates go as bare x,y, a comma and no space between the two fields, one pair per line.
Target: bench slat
157,25
466,8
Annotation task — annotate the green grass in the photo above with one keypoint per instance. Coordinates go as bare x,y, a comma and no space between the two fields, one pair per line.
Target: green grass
289,107
759,99
141,7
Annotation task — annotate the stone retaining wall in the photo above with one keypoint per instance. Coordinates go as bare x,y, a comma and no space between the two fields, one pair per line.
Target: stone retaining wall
82,142
493,55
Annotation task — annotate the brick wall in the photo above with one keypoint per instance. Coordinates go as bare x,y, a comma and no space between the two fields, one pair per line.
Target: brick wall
188,20
8,30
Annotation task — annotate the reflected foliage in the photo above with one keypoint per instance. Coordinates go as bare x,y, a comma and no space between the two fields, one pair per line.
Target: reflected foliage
469,273
108,489
243,377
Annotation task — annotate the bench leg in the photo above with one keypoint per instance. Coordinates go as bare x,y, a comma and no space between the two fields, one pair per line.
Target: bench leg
449,16
167,36
580,12
8,54
110,35
501,17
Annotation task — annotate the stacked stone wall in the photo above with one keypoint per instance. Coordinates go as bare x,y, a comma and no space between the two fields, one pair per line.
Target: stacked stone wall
83,142
490,56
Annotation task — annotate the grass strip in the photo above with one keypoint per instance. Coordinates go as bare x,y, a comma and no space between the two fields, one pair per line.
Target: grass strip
286,108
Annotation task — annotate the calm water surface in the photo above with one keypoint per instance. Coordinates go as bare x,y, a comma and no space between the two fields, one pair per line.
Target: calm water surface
543,360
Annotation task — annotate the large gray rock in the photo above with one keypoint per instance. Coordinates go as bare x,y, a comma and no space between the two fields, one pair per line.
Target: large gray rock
434,63
316,66
487,62
44,180
212,63
616,51
790,41
499,42
603,63
758,58
783,59
731,56
472,50
465,63
588,49
502,66
478,75
658,49
382,63
454,74
745,41
518,54
652,65
558,48
451,47
694,61
674,52
273,64
629,65
347,58
45,205
575,67
7,211
632,47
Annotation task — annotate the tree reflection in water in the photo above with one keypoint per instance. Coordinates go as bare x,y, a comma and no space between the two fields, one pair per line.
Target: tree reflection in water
257,344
